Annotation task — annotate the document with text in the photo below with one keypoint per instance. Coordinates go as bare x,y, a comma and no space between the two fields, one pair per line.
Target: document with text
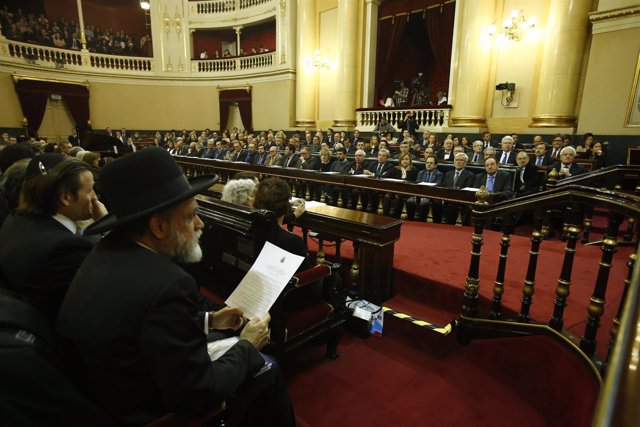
265,281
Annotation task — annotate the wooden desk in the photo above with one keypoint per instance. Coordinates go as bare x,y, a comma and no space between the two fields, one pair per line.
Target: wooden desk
374,238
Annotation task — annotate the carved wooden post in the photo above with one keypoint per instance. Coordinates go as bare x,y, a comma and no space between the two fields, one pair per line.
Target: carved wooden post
528,287
615,328
596,303
472,282
564,282
586,224
403,215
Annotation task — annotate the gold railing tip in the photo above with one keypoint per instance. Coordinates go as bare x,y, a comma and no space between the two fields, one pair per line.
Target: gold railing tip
553,174
482,195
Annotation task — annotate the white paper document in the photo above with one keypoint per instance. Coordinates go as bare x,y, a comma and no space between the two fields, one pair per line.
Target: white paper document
313,204
430,184
470,189
265,281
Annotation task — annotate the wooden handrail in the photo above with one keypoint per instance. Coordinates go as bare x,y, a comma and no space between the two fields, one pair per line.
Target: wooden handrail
613,170
623,203
618,402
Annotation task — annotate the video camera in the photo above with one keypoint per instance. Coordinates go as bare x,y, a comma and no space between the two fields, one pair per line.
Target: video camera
397,85
418,82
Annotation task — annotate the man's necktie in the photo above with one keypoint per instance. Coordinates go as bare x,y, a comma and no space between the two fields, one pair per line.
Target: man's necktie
504,158
554,154
286,164
475,158
379,172
428,177
490,179
455,178
538,161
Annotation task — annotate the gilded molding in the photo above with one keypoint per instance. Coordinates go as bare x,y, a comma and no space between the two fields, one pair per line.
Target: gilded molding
305,123
17,77
556,121
606,15
480,122
344,123
246,87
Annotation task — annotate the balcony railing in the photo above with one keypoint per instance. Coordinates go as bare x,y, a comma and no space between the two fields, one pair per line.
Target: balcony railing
74,60
428,118
233,64
224,6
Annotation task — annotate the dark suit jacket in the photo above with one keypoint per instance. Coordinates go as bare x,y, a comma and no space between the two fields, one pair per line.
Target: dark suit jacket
466,179
312,164
131,318
529,181
259,159
574,169
546,160
357,169
35,390
480,157
294,161
38,259
412,174
501,185
441,154
436,176
74,140
209,154
385,172
249,156
237,156
511,158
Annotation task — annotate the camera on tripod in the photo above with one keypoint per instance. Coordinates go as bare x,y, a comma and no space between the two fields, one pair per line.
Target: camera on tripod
397,85
418,82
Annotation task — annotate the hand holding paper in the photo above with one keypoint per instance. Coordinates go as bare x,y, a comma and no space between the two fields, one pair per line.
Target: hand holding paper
265,281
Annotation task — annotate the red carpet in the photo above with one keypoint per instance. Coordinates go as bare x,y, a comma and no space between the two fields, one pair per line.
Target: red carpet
432,260
415,379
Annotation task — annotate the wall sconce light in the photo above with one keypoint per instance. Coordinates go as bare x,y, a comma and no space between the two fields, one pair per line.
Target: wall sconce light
509,98
144,4
318,62
514,27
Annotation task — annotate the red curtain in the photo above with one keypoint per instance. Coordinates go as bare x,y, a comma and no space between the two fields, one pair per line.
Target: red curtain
390,32
33,96
243,98
440,30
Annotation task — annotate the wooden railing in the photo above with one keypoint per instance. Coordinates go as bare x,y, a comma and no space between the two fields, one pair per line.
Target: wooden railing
428,118
624,359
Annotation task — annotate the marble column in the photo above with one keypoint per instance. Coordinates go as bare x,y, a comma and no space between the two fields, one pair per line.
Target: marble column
346,67
563,52
472,64
306,75
238,32
83,38
370,39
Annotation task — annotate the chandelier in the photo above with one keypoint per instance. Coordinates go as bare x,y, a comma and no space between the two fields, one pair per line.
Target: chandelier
514,27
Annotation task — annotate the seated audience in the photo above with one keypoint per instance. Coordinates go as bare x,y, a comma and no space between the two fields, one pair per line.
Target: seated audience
598,154
497,182
128,363
41,247
567,167
430,174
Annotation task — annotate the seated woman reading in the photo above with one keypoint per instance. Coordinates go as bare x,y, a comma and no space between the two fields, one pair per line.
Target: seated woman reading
273,194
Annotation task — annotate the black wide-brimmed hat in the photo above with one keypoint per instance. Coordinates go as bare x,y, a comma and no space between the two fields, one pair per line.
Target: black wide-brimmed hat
141,184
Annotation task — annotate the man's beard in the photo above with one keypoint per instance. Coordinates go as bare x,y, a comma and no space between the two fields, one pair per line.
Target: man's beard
182,250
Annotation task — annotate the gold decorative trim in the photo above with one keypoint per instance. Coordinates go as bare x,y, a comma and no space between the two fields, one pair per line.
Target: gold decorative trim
17,77
632,97
439,5
554,121
606,15
246,87
479,122
344,123
305,123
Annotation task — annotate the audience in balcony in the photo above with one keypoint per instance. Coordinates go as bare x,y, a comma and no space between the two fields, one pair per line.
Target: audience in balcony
65,34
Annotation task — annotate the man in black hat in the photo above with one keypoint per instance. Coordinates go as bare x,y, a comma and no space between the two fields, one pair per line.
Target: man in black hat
131,315
41,246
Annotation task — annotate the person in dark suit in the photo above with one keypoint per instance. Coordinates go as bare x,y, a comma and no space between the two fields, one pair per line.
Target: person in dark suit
409,124
250,154
74,138
40,245
567,167
556,147
541,157
238,154
131,321
311,163
508,154
459,177
261,156
527,177
210,151
446,153
290,158
430,174
486,140
497,182
477,155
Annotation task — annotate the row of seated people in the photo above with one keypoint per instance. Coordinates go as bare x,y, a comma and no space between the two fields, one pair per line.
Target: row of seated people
104,313
65,34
